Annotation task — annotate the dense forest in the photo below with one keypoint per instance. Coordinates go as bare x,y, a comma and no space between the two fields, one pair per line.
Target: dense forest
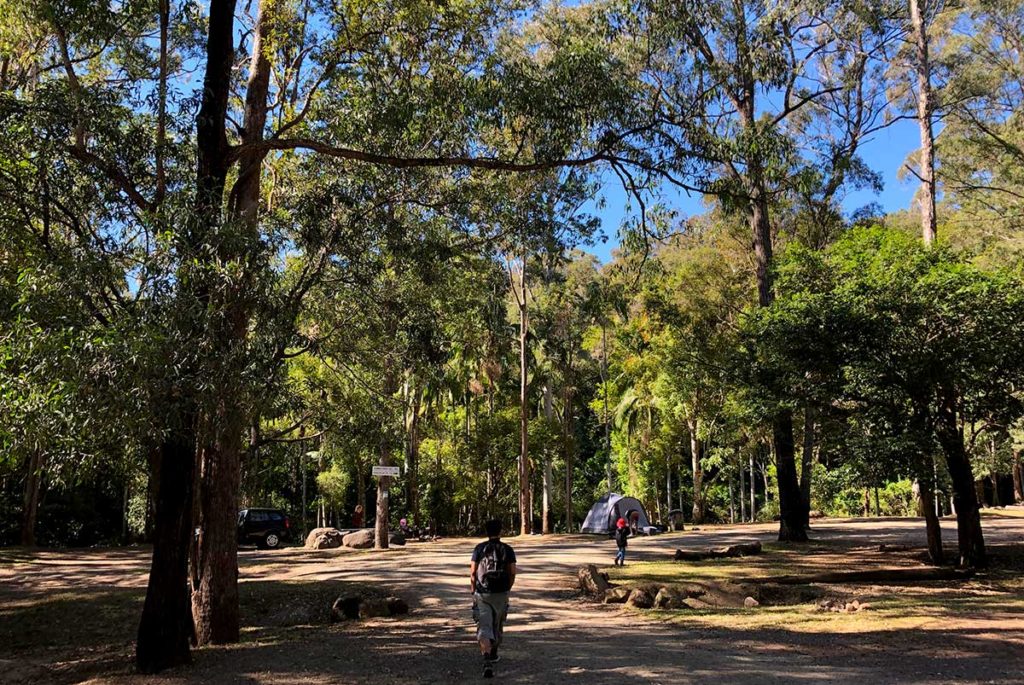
247,252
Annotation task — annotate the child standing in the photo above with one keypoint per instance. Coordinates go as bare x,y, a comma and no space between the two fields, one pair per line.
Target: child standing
621,534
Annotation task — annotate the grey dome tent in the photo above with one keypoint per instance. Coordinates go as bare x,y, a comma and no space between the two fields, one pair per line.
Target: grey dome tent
609,509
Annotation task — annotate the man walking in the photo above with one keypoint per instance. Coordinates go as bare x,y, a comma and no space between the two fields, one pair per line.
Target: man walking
492,573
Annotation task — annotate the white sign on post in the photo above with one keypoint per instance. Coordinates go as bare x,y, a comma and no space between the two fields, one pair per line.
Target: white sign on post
385,471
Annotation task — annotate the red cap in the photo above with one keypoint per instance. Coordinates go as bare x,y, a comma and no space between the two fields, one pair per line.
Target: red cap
621,523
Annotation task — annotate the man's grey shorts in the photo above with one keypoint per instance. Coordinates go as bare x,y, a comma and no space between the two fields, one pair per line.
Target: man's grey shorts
491,612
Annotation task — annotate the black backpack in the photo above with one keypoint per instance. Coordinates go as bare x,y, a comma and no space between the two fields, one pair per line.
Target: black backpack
492,570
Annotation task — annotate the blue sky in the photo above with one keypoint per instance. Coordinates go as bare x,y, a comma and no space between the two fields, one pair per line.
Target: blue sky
885,152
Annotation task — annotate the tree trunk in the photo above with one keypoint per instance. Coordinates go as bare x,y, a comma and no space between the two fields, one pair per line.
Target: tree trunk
607,425
215,599
732,502
791,505
753,488
567,447
547,476
668,483
696,455
807,463
412,470
382,524
525,499
1018,478
970,540
166,628
933,529
361,486
33,488
925,110
166,625
743,491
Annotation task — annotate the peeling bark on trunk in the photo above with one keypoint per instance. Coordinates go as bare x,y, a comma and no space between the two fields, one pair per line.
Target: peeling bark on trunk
925,110
696,455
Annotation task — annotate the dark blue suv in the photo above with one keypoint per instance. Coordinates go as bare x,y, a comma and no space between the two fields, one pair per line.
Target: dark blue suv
268,528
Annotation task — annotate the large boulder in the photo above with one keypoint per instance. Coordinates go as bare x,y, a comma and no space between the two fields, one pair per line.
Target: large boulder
360,539
324,538
640,598
591,581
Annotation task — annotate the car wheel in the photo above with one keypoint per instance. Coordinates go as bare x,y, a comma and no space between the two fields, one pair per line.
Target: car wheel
271,540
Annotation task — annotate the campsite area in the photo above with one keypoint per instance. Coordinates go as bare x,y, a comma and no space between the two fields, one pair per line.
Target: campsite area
69,616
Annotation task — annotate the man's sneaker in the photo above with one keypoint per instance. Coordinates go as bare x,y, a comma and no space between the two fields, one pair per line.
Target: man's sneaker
493,656
488,670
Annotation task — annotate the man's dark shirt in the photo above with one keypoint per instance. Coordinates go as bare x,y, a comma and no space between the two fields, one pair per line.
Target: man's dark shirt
478,553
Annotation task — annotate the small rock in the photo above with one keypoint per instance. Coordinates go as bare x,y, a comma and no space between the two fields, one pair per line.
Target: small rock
850,607
863,607
616,595
750,603
640,598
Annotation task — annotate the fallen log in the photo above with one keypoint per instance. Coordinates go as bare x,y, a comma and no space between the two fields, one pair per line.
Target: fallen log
744,549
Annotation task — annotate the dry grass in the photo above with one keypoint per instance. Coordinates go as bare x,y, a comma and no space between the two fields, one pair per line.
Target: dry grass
995,597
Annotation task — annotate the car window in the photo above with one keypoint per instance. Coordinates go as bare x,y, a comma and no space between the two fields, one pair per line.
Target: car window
276,516
257,516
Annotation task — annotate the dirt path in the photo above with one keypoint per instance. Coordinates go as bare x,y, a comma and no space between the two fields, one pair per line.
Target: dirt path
554,637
